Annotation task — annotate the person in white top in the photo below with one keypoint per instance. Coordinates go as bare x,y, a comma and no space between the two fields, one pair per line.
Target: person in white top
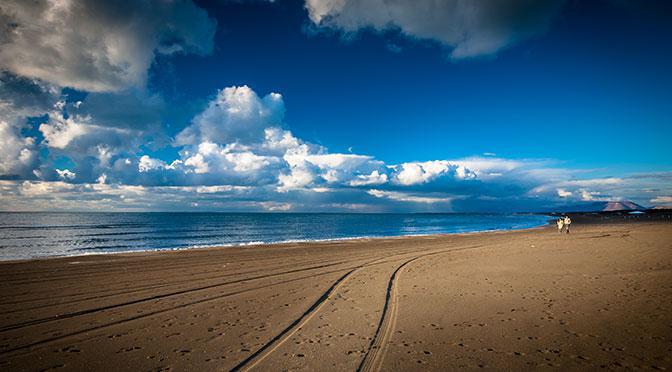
567,222
560,223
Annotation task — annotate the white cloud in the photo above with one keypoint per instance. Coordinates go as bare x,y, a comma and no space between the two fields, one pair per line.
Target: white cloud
219,189
59,131
587,195
18,155
147,164
550,180
276,207
238,133
609,181
479,167
236,114
405,197
349,206
38,188
563,193
236,155
375,178
469,27
66,174
79,137
102,179
198,163
78,132
297,178
662,200
341,168
323,189
634,188
337,161
58,195
418,173
98,45
280,141
229,160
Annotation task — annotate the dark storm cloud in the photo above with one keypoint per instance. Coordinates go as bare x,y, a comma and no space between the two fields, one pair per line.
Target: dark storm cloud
98,45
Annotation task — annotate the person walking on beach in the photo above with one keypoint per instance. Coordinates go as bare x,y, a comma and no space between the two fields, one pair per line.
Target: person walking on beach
567,222
560,223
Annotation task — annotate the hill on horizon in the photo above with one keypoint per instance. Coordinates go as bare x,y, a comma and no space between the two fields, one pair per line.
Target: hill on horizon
606,206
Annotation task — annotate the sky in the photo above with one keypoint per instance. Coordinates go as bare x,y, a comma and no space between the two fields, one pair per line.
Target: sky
334,105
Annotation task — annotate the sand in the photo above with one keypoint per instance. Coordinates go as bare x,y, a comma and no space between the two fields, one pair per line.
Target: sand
599,297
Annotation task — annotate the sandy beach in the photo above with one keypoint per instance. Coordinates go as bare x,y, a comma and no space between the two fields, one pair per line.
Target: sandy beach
598,297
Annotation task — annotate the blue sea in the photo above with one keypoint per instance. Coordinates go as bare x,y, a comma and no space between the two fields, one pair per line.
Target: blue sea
35,234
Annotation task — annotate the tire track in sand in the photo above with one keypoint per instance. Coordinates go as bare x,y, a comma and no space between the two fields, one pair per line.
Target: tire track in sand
268,348
174,293
273,344
43,342
31,346
375,354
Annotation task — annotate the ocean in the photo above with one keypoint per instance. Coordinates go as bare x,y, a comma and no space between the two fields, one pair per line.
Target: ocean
26,235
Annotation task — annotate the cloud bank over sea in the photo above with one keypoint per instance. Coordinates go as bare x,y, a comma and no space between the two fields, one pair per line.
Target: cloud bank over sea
80,129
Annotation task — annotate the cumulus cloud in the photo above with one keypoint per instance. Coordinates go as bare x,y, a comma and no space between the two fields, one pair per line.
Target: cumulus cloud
314,169
469,28
587,195
231,160
66,174
97,45
146,164
236,154
95,125
337,168
18,154
238,137
417,173
297,178
564,193
490,167
236,114
80,135
375,178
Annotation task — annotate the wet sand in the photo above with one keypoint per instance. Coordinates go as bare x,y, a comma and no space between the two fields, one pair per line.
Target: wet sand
599,297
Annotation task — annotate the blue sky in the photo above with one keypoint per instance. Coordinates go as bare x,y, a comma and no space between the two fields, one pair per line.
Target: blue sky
598,71
311,106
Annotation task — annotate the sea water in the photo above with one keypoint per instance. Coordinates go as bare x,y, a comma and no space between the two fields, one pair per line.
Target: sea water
36,234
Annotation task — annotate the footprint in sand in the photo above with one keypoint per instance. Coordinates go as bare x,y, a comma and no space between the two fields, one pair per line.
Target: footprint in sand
128,349
70,349
58,366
